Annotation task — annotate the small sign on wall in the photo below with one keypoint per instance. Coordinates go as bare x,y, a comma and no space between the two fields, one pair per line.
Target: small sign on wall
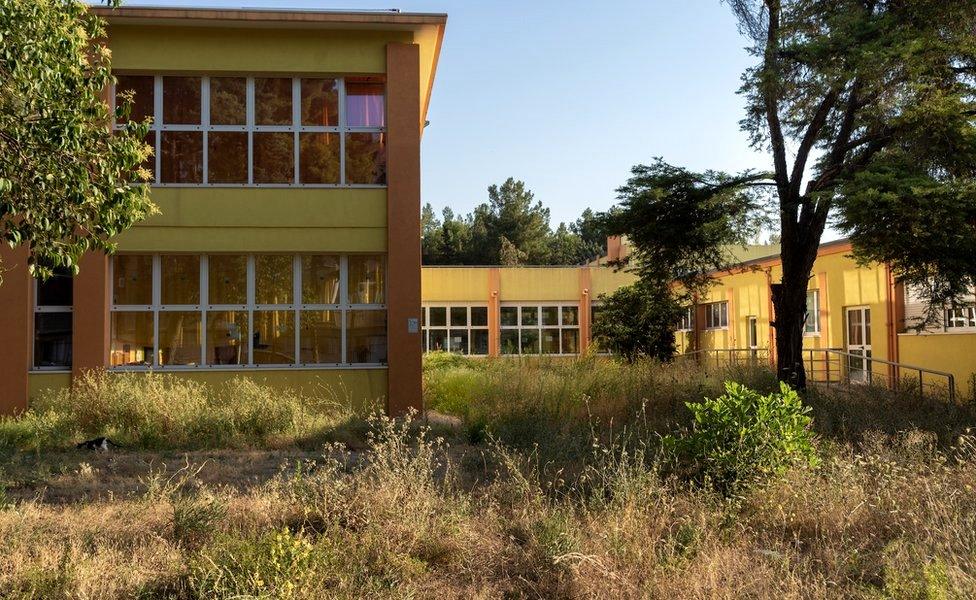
413,325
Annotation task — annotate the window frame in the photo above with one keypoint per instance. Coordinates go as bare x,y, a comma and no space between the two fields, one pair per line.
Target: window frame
949,318
296,307
539,327
814,314
723,315
62,309
158,127
686,322
447,327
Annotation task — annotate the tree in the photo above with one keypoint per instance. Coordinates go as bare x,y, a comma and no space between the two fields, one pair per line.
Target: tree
866,108
511,213
637,321
68,183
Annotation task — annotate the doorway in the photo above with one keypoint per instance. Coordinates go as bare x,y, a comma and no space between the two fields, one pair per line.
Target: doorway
859,344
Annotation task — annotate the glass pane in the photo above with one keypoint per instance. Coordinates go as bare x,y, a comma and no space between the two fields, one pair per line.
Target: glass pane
227,279
530,315
52,339
510,341
227,161
132,339
320,102
570,341
479,316
550,341
550,315
182,157
274,337
274,158
273,279
509,316
228,101
366,336
181,100
55,291
570,315
479,341
318,160
458,341
227,337
179,338
530,341
180,279
867,327
132,279
364,102
366,158
320,279
143,90
437,340
438,316
272,101
459,316
367,279
321,337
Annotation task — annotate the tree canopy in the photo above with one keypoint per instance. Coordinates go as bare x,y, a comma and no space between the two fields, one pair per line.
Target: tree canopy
68,183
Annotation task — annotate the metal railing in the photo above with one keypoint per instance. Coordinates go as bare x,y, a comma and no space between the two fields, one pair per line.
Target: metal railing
837,367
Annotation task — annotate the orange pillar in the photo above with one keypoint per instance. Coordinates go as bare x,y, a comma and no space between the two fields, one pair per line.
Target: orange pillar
403,126
825,333
494,312
16,322
585,327
90,321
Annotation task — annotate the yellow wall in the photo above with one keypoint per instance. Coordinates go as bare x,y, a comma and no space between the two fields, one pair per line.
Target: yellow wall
951,352
607,281
543,284
454,284
360,388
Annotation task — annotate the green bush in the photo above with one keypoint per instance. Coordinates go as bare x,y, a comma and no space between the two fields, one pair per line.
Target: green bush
744,436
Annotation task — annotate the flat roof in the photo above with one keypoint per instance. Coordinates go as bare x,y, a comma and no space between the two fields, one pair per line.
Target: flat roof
276,17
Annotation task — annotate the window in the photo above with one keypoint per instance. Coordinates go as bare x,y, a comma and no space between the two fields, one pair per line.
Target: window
225,310
687,320
549,329
460,329
812,324
263,131
717,315
53,300
960,317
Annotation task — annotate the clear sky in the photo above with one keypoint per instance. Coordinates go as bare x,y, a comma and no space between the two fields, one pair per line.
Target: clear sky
567,96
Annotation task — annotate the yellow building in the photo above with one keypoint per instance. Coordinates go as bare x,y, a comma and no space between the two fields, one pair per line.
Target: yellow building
287,247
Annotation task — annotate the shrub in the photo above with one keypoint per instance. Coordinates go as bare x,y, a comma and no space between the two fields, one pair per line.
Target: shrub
743,436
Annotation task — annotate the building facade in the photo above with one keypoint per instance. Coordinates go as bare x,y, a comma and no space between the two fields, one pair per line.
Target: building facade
287,246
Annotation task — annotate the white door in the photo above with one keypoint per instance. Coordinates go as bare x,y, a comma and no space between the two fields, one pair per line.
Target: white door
859,344
753,338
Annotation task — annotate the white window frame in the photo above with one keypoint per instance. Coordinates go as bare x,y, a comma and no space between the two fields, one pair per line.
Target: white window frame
722,308
687,320
47,309
447,327
295,307
539,326
296,128
813,315
966,315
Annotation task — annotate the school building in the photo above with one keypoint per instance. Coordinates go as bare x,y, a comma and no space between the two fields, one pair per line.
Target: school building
287,174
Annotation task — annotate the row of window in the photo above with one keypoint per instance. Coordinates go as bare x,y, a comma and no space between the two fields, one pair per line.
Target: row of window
536,329
717,315
262,130
235,309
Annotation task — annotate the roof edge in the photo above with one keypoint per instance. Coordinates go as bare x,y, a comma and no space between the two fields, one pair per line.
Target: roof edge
269,15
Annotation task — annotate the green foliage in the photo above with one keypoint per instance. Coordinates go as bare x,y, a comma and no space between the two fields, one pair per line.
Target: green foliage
636,322
744,436
68,183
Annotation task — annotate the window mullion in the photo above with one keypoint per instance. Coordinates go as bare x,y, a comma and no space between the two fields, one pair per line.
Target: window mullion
343,301
204,302
250,309
296,300
342,131
157,277
249,108
296,119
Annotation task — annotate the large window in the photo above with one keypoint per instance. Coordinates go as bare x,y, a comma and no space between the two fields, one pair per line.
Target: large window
549,329
53,300
262,131
812,324
460,329
220,310
717,315
960,317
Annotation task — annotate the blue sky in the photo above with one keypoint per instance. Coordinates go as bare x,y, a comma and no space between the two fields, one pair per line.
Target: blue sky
567,96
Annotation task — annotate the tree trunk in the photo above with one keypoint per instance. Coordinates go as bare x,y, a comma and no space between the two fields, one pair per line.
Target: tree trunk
790,305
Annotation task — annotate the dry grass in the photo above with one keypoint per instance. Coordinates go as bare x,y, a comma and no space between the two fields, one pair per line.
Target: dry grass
884,516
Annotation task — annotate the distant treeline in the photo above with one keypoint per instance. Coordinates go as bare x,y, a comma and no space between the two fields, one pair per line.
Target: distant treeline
510,229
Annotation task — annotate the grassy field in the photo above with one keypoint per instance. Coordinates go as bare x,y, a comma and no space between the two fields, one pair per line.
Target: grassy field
538,479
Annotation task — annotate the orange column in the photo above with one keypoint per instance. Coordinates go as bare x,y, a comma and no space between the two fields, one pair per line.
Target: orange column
16,323
90,322
403,125
494,312
824,316
585,283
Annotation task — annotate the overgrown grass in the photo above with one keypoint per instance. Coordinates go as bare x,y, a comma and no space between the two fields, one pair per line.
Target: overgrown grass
152,411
